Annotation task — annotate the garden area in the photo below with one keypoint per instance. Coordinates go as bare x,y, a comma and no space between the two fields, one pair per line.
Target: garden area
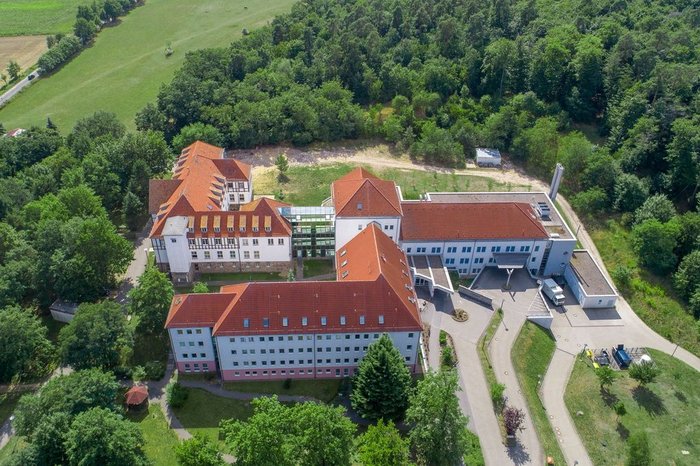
321,389
310,184
160,441
316,267
531,354
666,409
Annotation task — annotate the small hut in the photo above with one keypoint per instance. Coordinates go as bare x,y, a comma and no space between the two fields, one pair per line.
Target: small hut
137,398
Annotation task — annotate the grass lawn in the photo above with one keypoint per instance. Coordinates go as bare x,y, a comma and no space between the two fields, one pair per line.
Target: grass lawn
24,17
150,348
651,297
126,66
315,267
203,411
475,457
189,288
14,444
666,409
310,185
160,440
241,277
483,346
321,389
531,354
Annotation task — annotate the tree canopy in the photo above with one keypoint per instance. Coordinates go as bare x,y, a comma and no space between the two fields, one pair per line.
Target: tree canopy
382,445
150,299
24,348
98,336
382,383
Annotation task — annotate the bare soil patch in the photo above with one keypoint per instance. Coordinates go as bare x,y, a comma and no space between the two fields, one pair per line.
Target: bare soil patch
25,50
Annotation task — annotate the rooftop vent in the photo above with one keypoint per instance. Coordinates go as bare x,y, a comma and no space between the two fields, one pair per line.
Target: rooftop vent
543,210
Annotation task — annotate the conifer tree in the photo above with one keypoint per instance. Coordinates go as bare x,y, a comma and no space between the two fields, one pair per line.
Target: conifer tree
382,383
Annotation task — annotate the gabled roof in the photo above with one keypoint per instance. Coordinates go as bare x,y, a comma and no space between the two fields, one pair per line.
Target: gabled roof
361,194
376,295
425,221
199,178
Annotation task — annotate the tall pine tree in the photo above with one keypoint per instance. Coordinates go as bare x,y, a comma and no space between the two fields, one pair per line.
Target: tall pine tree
382,384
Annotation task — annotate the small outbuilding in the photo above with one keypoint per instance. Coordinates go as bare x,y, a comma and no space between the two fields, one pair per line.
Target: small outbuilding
588,282
63,311
136,398
488,157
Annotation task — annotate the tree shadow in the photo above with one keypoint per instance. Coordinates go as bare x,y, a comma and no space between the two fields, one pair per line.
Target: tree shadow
518,454
650,401
608,398
681,397
622,431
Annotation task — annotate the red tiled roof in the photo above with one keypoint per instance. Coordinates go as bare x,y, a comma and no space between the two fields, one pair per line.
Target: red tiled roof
202,173
466,221
378,284
136,395
361,194
160,191
202,309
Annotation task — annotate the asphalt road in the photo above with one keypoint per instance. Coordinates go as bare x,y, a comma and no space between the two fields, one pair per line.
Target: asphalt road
17,88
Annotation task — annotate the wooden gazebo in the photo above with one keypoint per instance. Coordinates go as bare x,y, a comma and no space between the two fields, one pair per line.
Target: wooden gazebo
137,398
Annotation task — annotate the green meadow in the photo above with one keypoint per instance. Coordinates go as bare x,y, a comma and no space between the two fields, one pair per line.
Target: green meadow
28,17
126,65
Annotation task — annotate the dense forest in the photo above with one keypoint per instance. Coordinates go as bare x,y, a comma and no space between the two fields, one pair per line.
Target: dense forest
441,77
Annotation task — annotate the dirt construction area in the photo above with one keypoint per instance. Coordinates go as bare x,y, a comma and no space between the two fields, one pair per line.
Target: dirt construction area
25,50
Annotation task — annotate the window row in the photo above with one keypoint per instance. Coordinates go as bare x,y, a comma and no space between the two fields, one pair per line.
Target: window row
328,349
233,243
346,372
220,254
468,249
342,320
191,343
193,355
338,336
301,362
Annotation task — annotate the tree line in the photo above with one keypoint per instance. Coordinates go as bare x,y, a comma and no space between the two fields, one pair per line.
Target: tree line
89,20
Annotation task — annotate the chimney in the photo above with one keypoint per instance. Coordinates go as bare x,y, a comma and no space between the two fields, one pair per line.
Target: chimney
556,180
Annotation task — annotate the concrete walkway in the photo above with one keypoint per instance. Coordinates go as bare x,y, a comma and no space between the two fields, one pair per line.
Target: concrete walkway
527,449
474,398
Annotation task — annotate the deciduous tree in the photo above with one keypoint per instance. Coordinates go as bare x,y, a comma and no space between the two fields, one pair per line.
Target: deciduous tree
98,336
382,445
439,433
150,299
24,348
198,451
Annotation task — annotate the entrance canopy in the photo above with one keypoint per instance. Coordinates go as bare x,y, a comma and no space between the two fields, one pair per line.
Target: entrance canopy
511,260
431,269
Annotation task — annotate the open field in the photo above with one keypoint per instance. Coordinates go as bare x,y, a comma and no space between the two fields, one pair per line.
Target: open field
310,184
666,409
23,17
531,353
651,297
25,50
321,389
160,440
125,67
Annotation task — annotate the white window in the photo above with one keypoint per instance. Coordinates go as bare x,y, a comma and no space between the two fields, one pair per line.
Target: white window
270,242
232,254
194,254
256,254
246,254
323,321
255,241
381,318
280,241
342,320
304,321
246,323
207,255
285,322
362,320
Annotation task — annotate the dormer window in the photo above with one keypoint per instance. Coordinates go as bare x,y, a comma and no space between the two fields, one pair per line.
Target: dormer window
342,320
217,230
345,262
268,229
343,252
190,230
285,322
324,321
304,321
255,229
362,320
381,318
344,274
230,229
242,229
204,229
246,323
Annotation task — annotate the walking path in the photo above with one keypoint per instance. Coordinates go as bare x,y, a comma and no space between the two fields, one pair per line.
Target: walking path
528,449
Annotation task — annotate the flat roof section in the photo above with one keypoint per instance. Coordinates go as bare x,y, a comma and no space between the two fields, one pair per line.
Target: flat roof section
589,275
554,224
431,268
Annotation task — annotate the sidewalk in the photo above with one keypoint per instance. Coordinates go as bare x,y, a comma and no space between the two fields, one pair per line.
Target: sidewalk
528,449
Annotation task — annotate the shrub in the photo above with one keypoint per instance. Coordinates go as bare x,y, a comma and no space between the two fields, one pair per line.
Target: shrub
497,395
155,370
644,372
622,276
138,373
447,357
513,419
443,338
176,394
